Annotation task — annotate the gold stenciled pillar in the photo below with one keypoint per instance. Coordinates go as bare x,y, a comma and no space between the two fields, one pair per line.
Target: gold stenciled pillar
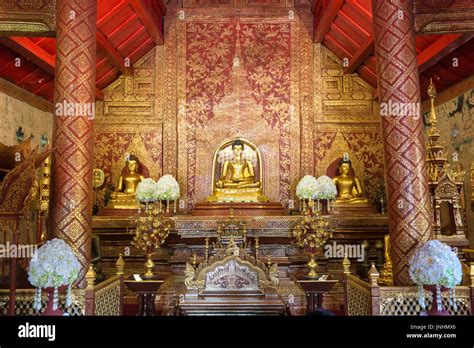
402,127
74,97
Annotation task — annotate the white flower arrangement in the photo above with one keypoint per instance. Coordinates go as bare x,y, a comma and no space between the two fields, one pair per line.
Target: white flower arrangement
146,191
307,188
435,264
53,265
167,188
327,187
316,189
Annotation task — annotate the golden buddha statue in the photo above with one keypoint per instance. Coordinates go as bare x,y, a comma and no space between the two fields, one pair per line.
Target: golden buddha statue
124,195
237,182
349,190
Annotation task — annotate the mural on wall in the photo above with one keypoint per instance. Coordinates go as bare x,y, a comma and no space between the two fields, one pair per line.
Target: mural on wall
455,123
237,77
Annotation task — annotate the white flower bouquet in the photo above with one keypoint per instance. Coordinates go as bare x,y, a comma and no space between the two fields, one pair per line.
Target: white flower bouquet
327,188
53,265
146,191
435,264
307,188
167,188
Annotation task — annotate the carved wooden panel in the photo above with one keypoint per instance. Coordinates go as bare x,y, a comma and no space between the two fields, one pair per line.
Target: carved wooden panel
443,16
23,17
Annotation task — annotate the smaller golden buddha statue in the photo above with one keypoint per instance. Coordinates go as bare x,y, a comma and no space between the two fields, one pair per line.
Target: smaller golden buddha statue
237,182
349,189
124,195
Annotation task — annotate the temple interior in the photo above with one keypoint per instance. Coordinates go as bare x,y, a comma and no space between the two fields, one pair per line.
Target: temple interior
236,157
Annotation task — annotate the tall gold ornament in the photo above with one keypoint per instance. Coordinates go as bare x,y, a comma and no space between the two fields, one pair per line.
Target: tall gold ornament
150,233
386,275
311,233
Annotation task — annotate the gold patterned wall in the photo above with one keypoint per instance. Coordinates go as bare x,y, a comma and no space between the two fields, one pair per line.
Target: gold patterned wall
254,73
240,73
345,120
129,120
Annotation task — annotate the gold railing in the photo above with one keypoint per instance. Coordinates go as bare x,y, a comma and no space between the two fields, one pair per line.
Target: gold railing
106,298
363,298
24,300
358,298
102,299
403,300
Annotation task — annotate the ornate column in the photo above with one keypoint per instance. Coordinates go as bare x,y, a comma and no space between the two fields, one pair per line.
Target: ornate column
74,96
402,127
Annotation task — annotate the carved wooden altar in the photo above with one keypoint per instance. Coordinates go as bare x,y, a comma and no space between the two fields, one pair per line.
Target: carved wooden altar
231,283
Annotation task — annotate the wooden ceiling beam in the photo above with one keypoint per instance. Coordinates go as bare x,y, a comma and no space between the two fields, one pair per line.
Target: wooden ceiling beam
146,16
360,56
329,14
31,51
440,49
22,94
113,54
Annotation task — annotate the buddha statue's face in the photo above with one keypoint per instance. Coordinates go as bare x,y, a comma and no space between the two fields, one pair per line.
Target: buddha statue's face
345,168
237,149
132,166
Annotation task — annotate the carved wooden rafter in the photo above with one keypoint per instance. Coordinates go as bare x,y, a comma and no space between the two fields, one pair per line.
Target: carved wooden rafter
113,54
440,49
151,17
328,10
30,50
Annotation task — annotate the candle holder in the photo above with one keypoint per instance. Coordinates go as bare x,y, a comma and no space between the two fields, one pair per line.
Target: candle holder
311,233
151,231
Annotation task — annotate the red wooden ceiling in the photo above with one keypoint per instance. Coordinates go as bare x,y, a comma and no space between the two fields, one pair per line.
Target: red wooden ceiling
345,27
130,28
125,29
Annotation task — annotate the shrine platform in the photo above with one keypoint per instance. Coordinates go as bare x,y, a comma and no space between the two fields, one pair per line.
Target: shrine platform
190,232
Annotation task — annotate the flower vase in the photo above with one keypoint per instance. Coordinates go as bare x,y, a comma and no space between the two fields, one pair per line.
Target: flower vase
324,207
168,210
52,306
312,265
437,304
149,266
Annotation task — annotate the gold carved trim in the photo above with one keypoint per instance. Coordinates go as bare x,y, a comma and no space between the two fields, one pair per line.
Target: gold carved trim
195,278
23,27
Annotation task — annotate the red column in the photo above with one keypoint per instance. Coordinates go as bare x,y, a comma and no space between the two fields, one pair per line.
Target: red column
402,127
74,96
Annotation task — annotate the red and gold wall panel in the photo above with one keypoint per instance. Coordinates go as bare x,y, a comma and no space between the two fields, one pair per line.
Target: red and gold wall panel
253,73
238,75
129,121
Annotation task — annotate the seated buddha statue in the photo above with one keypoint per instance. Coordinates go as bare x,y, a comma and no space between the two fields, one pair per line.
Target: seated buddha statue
237,182
124,195
349,189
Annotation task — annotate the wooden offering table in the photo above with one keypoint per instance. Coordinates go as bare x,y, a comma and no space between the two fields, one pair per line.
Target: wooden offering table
315,290
145,290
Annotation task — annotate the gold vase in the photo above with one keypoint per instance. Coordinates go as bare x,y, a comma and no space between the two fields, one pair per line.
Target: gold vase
312,265
149,266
